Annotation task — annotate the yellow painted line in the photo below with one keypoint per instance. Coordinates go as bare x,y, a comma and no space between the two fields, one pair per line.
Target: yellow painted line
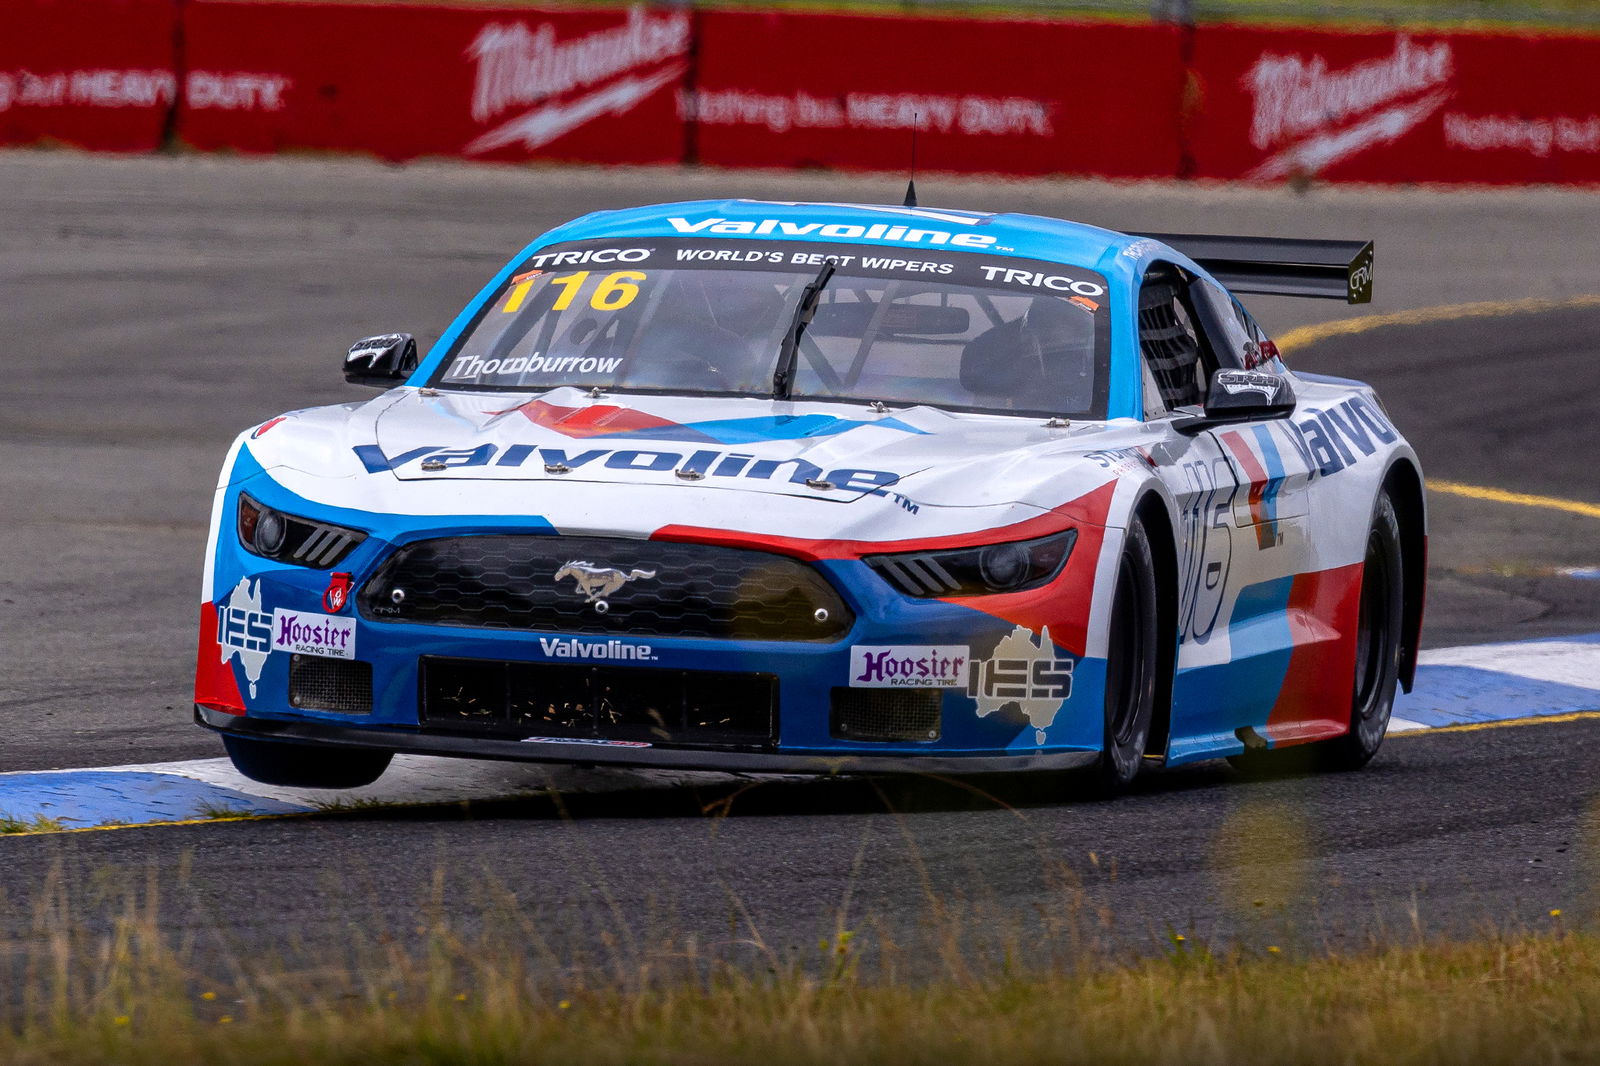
1504,723
158,825
1429,730
1525,499
1304,336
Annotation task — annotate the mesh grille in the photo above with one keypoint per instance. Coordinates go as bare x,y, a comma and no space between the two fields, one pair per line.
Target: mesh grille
904,714
596,585
691,707
320,684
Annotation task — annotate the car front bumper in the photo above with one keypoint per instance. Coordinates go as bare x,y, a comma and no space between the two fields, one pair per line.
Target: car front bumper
632,754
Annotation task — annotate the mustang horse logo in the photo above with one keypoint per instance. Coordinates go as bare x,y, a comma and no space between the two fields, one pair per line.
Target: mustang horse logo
597,582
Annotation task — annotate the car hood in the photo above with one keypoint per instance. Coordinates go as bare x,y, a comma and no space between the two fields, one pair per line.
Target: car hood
809,452
749,444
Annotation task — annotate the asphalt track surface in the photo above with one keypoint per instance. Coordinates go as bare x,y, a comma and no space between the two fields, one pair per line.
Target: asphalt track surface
151,308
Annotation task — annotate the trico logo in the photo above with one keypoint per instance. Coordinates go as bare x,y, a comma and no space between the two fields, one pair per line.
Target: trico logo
596,583
878,231
909,666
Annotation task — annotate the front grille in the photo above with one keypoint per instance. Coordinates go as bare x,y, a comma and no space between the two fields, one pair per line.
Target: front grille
320,684
903,714
598,585
690,707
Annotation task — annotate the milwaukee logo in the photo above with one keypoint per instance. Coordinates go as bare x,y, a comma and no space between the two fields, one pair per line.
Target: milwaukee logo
518,66
1316,117
612,71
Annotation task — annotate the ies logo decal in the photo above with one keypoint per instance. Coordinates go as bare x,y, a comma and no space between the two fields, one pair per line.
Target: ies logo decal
245,630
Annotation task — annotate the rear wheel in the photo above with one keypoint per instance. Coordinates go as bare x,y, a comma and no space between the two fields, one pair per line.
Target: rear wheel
1378,627
1131,657
274,762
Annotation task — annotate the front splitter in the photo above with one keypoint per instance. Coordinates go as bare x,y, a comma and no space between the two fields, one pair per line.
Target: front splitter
612,753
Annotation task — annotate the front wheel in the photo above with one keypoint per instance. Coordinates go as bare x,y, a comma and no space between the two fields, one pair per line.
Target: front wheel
1131,663
274,762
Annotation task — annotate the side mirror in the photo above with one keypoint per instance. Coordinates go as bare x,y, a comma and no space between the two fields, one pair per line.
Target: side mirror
381,361
1241,396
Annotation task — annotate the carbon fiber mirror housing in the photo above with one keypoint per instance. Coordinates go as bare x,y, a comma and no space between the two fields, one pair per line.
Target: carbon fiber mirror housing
381,361
1241,396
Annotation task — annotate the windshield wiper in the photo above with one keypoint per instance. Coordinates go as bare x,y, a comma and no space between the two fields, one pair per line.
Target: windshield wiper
789,351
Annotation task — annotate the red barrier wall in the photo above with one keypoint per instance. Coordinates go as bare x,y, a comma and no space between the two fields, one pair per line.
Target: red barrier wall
796,89
93,74
1395,107
401,82
1022,97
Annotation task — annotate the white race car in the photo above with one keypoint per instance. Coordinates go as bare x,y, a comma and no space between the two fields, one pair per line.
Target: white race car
817,487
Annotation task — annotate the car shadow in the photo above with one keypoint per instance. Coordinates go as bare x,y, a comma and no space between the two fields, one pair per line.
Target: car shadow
757,795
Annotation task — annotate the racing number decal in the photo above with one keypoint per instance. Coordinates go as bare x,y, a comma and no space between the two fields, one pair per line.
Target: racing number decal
1208,545
615,291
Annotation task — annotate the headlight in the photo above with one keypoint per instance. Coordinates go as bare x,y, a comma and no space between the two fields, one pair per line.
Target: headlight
287,538
1009,567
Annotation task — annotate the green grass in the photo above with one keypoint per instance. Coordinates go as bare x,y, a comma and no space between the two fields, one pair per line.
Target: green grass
482,985
37,824
1526,999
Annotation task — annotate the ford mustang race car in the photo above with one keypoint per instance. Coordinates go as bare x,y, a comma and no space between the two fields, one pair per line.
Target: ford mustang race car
823,487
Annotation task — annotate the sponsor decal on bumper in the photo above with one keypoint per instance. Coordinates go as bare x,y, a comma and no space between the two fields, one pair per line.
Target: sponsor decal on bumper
909,666
306,633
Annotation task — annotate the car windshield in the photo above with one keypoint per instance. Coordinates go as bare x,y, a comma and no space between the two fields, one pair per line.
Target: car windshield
969,331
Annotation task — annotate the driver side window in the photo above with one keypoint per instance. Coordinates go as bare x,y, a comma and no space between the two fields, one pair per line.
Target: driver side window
1239,343
1176,359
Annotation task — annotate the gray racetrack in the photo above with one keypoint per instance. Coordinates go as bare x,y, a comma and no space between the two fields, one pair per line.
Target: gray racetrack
150,308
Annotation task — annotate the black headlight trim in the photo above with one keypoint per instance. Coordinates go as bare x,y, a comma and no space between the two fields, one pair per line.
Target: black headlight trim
980,570
287,538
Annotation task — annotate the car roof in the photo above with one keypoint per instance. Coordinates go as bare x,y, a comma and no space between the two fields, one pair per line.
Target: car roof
885,225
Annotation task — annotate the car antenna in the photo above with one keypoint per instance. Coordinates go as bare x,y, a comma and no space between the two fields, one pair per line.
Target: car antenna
911,186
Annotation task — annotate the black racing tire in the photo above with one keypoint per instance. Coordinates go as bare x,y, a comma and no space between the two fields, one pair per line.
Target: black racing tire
275,762
1132,658
1379,619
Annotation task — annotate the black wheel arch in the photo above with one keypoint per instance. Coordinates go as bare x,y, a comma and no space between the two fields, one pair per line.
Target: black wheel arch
1152,511
1403,483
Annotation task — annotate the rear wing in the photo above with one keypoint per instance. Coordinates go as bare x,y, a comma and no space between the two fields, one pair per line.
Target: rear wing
1280,266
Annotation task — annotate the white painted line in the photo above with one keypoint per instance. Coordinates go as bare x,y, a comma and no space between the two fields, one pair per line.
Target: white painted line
1571,663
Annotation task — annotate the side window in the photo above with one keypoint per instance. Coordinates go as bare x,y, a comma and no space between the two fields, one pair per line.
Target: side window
1266,353
1239,343
1174,353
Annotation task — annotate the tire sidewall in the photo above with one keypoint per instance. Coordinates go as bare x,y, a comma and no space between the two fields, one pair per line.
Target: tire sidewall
1135,587
1371,709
